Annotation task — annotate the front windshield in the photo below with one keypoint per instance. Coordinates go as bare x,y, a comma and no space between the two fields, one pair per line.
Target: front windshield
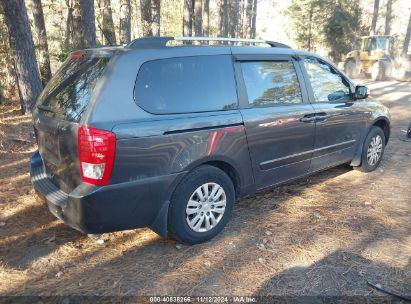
383,43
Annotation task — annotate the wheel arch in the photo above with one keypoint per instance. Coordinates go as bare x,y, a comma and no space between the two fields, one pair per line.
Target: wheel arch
350,59
160,225
381,122
230,171
384,124
225,164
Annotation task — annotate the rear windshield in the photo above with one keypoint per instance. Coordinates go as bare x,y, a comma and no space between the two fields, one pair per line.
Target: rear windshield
68,92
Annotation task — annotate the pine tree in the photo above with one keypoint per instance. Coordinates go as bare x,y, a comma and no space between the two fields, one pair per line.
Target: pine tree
107,24
341,28
125,21
388,18
223,18
156,15
407,39
69,24
88,22
254,20
43,49
198,17
21,43
84,27
234,12
308,20
188,18
206,18
375,17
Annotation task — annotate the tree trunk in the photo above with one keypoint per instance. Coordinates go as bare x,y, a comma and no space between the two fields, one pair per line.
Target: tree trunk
223,25
221,19
135,28
146,18
22,104
84,27
188,18
206,18
8,86
233,18
388,18
254,19
249,18
77,27
407,39
310,26
107,24
198,17
89,25
69,24
156,15
125,21
21,42
240,23
374,17
43,49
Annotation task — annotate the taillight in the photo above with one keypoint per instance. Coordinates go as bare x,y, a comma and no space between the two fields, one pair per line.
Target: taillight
78,55
96,150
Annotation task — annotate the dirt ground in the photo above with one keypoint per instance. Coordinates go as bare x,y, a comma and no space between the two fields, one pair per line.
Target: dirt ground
324,235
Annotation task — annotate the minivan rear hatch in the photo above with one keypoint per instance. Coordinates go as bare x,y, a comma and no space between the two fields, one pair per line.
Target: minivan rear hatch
58,112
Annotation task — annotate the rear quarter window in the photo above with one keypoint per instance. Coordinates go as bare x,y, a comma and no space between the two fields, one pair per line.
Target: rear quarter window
186,84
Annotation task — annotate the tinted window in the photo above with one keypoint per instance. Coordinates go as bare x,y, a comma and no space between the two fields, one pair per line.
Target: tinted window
327,84
186,84
69,91
271,82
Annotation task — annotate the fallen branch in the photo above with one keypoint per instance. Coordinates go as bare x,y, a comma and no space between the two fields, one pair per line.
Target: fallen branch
389,291
16,139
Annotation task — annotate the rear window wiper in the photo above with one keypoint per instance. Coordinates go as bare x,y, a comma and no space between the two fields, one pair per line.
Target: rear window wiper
46,108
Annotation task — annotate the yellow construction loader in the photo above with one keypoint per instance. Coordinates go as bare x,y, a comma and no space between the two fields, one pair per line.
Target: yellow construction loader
377,59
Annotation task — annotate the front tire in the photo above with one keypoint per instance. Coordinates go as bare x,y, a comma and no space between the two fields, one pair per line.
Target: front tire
351,69
381,70
373,150
201,205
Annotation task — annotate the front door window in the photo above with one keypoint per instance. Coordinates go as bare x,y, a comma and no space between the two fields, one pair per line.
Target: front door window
327,84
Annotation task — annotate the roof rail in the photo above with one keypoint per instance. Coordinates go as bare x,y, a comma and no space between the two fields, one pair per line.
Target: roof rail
162,41
149,42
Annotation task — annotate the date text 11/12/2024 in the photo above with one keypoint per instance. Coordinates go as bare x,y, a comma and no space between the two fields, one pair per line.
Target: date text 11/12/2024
202,299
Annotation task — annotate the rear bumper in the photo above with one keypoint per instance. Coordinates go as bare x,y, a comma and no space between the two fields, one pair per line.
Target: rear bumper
92,209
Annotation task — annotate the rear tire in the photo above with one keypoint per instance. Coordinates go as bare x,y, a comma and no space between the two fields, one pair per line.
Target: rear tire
373,150
201,205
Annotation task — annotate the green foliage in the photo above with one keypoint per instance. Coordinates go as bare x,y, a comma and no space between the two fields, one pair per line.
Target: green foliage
308,21
8,88
342,28
64,51
335,24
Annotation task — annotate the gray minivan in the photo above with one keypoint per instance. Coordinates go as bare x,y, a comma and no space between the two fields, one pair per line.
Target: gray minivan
169,136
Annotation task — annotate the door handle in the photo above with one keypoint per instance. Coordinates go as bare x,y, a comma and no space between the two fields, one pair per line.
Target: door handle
321,116
308,118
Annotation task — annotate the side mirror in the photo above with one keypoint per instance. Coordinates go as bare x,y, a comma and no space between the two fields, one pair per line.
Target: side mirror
337,95
361,92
